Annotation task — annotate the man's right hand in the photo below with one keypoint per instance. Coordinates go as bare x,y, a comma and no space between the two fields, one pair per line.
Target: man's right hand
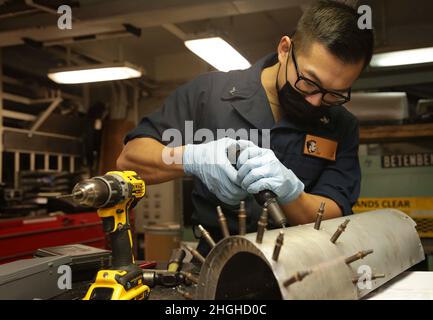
209,162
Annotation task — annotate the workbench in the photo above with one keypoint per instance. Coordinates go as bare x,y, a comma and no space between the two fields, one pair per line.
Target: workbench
417,285
79,289
411,285
158,293
427,244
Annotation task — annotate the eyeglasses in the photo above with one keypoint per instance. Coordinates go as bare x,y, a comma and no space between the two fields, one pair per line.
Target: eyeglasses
309,87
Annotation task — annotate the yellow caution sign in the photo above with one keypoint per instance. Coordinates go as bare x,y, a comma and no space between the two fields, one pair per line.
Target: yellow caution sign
420,209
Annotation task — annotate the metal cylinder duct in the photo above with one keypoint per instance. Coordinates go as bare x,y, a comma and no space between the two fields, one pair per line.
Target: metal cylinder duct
309,265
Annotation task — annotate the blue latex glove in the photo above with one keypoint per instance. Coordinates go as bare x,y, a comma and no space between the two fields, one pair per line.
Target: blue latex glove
260,169
209,162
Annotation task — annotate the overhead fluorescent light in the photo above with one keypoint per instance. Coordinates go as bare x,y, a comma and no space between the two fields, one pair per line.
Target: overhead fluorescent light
95,73
404,57
218,53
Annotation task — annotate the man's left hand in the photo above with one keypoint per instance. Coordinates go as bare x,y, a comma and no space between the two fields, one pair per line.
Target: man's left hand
260,169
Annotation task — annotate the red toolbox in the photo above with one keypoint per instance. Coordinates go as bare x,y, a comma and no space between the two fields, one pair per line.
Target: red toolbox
20,238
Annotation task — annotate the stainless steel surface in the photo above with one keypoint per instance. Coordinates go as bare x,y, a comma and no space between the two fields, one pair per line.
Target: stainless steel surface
238,267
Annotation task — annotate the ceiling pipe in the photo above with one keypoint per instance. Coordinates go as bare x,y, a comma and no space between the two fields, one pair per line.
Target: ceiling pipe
32,4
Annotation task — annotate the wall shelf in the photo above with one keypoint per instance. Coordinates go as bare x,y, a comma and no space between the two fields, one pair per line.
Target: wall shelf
370,134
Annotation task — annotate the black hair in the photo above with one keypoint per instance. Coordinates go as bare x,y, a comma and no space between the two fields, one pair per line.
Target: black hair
335,25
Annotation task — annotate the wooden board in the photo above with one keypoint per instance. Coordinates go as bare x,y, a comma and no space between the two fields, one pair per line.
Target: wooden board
395,132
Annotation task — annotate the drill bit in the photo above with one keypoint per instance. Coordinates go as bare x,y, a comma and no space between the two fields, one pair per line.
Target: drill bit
242,216
261,225
298,276
206,235
373,277
339,231
319,217
223,223
278,244
71,195
195,253
190,276
186,295
357,256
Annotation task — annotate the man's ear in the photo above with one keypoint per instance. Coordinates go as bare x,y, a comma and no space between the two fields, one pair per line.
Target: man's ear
284,49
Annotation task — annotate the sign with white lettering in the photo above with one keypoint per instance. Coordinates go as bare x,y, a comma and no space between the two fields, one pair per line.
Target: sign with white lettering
407,160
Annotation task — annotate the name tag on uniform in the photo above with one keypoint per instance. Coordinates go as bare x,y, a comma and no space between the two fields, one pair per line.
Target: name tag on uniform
320,147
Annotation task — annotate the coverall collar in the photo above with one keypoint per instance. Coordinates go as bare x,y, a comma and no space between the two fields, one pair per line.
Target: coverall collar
245,92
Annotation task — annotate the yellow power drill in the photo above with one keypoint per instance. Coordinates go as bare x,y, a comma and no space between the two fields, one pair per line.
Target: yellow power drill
113,194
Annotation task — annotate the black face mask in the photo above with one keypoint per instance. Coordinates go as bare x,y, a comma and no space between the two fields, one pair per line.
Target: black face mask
296,108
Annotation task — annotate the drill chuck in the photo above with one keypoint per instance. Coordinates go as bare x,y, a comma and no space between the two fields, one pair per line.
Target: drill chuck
91,193
100,192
